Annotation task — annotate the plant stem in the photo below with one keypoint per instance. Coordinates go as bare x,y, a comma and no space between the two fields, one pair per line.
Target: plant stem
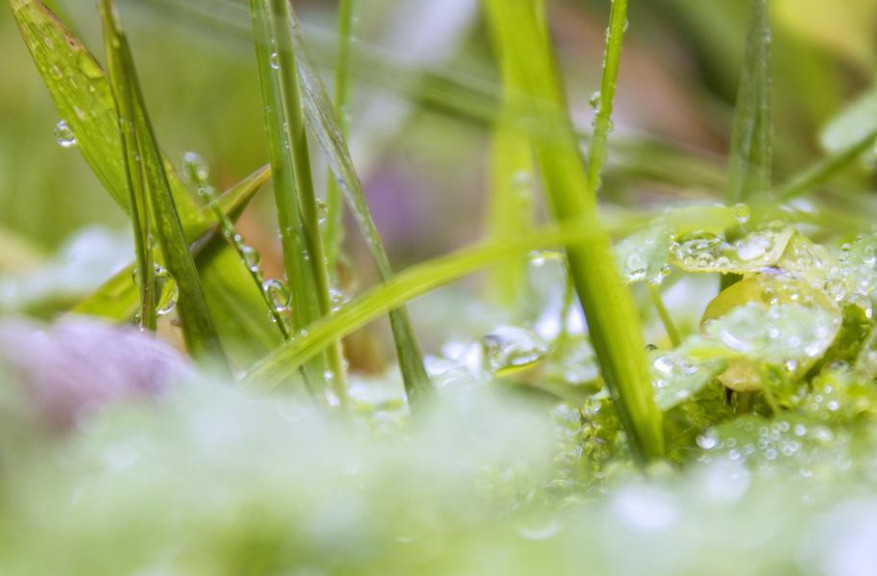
664,315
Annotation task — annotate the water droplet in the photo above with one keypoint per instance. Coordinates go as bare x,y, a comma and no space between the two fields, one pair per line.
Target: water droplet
278,294
636,267
195,168
251,256
595,99
742,213
275,61
322,212
64,135
508,349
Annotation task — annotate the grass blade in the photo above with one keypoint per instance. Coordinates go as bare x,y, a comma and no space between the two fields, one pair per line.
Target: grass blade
303,252
324,128
510,212
82,94
80,91
820,172
752,139
598,151
607,303
116,299
199,331
334,204
405,286
139,201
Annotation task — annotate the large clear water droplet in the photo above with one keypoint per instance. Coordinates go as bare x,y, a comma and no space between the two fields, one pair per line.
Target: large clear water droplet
278,294
508,349
168,291
64,135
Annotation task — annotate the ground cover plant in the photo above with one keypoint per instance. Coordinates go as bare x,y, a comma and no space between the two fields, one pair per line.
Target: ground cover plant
660,357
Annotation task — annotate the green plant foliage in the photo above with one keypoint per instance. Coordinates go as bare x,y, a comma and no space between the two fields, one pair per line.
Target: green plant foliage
669,425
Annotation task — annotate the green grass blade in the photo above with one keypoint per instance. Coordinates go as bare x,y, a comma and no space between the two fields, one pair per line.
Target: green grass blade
752,139
324,128
510,210
598,151
303,252
607,303
82,94
821,172
405,286
199,331
334,203
139,202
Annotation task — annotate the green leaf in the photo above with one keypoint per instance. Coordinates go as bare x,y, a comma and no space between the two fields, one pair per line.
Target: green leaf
775,320
752,138
83,96
676,377
199,331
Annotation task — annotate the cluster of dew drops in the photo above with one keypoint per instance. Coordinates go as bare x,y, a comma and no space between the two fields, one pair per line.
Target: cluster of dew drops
195,168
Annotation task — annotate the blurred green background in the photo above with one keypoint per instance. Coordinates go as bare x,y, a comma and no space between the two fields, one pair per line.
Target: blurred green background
424,163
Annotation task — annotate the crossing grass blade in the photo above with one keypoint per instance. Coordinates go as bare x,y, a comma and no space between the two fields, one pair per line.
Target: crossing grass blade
82,94
324,128
117,298
820,172
520,35
199,331
273,371
752,138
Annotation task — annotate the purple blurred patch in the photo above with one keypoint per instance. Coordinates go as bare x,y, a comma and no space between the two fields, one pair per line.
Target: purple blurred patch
79,365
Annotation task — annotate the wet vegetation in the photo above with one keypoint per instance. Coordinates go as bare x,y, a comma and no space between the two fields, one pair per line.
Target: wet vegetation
660,358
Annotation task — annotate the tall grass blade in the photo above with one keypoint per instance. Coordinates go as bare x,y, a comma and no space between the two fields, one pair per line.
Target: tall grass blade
404,287
605,104
512,175
139,202
82,94
303,252
199,331
752,138
343,105
607,303
324,128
